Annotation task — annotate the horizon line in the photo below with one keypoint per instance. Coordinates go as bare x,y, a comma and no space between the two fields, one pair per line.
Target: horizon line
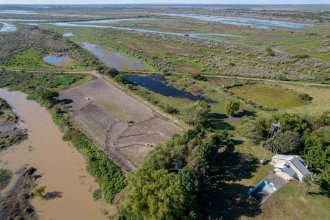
163,4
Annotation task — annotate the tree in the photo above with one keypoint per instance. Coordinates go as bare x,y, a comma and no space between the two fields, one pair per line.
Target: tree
317,156
48,96
309,180
232,107
121,78
198,76
189,179
284,142
101,68
196,113
113,72
155,195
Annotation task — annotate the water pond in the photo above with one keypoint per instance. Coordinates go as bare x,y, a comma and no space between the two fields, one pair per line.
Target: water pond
114,58
155,84
68,34
57,60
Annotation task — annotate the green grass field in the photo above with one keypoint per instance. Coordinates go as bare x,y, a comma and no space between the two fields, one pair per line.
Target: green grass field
268,96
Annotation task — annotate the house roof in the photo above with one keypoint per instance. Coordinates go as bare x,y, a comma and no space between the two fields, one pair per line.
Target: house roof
295,161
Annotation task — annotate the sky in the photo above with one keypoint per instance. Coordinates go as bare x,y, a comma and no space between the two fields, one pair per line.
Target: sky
165,2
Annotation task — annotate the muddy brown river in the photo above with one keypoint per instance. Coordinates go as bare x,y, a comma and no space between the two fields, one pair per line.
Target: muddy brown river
62,167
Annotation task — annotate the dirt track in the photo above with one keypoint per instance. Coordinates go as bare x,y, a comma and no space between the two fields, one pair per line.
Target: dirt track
124,128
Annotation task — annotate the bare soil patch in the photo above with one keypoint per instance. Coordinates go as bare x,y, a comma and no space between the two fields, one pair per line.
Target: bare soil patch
123,127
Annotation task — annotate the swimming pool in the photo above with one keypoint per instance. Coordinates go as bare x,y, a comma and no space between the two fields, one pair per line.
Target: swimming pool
262,190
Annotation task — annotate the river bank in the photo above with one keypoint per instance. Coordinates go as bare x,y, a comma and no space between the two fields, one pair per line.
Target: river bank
61,166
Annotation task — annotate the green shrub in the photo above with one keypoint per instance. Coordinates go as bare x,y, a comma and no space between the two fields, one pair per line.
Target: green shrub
198,76
305,97
232,107
196,113
38,191
113,72
121,78
270,52
301,56
97,194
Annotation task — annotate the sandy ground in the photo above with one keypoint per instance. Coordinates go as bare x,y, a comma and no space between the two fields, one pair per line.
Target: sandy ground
124,128
62,167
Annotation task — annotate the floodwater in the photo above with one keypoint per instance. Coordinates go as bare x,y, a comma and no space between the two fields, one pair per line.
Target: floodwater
68,34
7,27
252,22
62,167
17,12
202,36
114,59
116,20
57,60
155,84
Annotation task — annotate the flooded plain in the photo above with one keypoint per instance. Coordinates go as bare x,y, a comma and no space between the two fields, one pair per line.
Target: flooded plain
7,27
114,58
252,22
201,36
61,166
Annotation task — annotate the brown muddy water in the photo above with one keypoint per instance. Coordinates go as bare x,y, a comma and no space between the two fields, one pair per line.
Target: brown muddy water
62,167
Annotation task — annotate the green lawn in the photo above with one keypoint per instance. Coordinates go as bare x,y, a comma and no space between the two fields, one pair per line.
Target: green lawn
268,96
291,202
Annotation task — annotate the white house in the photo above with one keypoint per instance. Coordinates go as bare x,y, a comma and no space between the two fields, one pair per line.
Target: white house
289,166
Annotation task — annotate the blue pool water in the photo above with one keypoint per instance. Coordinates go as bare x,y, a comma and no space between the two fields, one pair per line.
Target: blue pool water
264,187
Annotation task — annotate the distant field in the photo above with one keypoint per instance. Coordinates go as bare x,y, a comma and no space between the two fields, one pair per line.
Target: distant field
268,96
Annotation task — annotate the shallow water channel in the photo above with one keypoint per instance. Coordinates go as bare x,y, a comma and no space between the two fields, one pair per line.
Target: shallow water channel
114,58
62,167
155,84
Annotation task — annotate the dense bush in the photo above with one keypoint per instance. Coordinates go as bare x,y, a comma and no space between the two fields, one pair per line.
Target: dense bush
232,107
113,72
121,78
198,76
284,143
305,97
196,113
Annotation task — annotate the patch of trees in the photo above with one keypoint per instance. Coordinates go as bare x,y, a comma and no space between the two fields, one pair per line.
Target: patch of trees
307,136
172,180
